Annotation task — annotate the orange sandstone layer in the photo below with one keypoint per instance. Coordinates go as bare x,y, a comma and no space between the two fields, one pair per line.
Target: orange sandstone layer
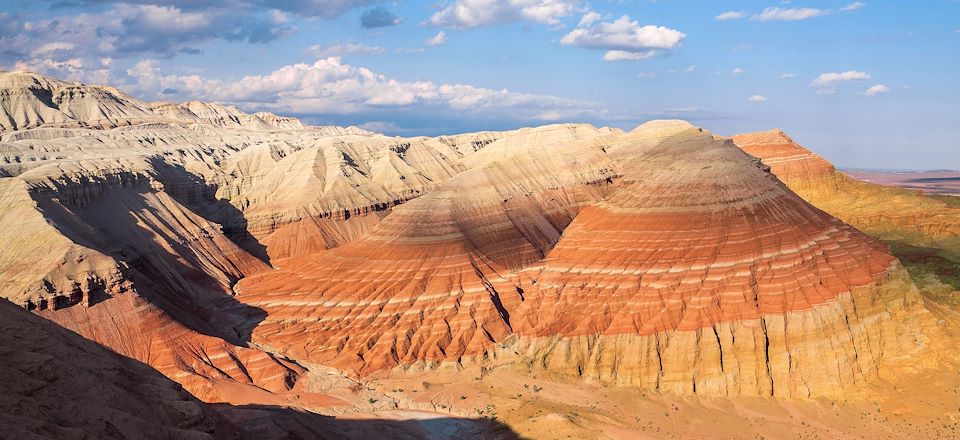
135,328
893,214
699,273
56,384
438,277
799,168
704,274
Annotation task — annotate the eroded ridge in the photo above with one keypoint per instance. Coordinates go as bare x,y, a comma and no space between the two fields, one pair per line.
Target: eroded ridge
702,273
439,277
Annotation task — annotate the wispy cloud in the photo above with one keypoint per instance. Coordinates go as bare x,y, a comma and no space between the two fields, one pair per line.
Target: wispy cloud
736,71
731,15
852,6
876,90
437,40
832,77
337,49
757,98
788,75
788,14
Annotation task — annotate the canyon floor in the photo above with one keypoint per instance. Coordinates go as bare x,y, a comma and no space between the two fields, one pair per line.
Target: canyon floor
193,271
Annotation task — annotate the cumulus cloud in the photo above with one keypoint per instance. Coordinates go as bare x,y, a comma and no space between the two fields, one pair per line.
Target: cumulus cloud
467,14
736,71
437,40
757,98
832,77
852,6
329,50
378,17
624,39
876,90
788,14
731,15
330,86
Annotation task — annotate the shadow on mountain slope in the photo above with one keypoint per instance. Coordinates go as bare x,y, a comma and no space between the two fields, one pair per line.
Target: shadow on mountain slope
273,422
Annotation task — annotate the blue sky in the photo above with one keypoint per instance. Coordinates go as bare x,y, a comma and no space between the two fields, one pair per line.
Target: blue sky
866,84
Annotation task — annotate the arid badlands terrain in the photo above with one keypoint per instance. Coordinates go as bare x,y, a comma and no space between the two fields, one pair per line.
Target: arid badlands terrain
192,271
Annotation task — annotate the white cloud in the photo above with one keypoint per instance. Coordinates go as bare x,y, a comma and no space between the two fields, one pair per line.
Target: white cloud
589,17
852,6
623,55
437,40
788,75
624,39
49,48
757,98
381,126
329,86
876,90
790,14
467,14
329,50
736,71
731,15
690,69
826,91
832,77
647,75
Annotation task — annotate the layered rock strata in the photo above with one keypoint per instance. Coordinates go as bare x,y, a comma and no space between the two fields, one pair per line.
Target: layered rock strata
439,276
702,273
890,213
55,384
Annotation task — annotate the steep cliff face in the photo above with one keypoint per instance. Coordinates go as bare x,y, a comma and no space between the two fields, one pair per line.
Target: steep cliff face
109,254
56,384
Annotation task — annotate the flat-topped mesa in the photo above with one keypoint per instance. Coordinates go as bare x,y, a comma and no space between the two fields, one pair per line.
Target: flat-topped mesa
702,273
438,277
802,170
